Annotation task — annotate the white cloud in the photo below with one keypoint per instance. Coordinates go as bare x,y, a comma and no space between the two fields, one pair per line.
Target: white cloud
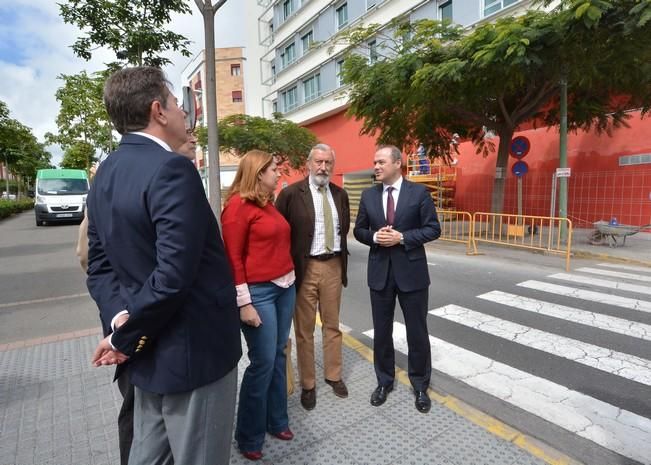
37,50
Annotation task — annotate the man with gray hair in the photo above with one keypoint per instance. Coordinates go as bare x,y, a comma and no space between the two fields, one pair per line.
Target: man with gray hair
318,212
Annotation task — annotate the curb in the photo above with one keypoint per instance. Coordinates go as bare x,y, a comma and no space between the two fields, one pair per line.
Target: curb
611,258
492,425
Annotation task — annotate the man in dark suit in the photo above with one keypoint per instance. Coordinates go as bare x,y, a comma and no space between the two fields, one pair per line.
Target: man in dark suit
396,218
159,275
319,215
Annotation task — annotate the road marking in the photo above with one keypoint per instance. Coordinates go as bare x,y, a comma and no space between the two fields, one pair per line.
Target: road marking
39,301
431,264
608,299
575,315
603,283
641,269
607,360
616,274
614,428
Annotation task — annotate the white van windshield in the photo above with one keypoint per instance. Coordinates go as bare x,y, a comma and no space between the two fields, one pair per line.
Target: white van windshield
62,186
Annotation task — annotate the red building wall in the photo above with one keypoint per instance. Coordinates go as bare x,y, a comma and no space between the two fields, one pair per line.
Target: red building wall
598,189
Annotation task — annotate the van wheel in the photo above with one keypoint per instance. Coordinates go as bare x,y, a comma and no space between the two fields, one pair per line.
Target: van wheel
39,222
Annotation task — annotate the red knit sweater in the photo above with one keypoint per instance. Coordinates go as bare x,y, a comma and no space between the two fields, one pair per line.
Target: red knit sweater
257,241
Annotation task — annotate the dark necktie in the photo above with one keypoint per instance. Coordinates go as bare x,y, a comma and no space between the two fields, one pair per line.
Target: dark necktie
391,208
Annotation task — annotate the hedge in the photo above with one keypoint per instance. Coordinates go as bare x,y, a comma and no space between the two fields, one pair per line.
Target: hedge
9,207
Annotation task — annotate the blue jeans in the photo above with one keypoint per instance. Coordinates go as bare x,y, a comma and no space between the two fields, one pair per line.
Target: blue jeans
263,394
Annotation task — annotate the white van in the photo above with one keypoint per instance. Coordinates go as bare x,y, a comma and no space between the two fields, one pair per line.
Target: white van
60,195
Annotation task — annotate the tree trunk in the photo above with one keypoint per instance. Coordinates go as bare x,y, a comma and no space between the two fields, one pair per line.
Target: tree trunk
499,182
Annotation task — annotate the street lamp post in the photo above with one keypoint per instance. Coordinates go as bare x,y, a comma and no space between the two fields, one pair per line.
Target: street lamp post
208,11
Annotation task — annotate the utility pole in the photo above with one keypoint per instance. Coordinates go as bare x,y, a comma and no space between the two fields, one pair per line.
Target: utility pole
562,158
208,11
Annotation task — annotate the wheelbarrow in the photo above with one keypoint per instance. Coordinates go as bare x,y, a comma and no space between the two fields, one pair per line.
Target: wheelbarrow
613,234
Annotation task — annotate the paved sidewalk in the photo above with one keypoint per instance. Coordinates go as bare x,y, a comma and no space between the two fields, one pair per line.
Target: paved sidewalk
55,408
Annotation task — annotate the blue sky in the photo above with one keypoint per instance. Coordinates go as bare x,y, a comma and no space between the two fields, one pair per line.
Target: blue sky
35,49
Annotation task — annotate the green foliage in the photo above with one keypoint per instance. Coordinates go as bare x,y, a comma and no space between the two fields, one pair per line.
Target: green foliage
79,155
9,207
280,137
133,29
19,148
436,80
82,115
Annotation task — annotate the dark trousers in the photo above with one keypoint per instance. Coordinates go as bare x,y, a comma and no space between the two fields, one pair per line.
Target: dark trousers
414,309
125,418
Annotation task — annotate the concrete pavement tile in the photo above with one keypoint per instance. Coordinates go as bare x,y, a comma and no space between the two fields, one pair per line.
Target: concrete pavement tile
376,440
423,455
355,366
424,426
530,460
332,413
305,433
468,444
325,452
364,387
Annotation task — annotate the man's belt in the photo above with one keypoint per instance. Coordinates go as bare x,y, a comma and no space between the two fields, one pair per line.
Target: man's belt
325,256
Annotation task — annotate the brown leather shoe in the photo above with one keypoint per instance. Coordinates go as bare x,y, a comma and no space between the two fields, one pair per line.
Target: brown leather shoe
308,398
339,388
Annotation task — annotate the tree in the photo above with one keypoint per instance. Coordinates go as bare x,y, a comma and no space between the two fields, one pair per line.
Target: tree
82,116
19,149
280,137
79,155
436,81
133,29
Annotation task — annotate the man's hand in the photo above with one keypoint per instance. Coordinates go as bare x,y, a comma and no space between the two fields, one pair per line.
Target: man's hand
249,316
105,355
387,237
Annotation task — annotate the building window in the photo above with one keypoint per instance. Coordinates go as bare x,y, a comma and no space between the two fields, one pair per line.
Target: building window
288,9
274,106
370,4
339,68
641,159
493,6
289,99
306,41
235,70
237,96
273,71
288,56
372,51
312,87
342,15
446,11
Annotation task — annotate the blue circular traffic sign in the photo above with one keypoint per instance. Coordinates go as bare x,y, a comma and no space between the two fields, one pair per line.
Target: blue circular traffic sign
520,168
519,147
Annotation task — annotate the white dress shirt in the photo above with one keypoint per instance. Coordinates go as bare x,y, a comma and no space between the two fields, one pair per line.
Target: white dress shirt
395,194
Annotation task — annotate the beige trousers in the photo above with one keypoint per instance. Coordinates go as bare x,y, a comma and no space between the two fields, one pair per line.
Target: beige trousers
320,290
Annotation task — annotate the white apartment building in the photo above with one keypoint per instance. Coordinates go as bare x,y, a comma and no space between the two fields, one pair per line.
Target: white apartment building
301,60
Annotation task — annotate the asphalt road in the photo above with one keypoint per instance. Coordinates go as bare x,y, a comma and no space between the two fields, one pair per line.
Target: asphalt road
43,292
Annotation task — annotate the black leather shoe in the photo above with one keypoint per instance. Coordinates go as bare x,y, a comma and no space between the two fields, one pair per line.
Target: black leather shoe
379,396
308,398
423,402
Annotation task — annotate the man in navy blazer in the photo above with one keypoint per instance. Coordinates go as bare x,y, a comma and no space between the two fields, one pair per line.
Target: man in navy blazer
396,218
159,274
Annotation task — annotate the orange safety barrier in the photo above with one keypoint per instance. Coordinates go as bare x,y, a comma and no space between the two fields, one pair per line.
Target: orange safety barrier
456,226
529,232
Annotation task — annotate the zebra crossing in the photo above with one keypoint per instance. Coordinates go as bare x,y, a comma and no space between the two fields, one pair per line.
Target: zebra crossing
607,300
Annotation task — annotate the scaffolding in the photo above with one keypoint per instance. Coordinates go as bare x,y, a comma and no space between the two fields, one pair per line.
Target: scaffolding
439,178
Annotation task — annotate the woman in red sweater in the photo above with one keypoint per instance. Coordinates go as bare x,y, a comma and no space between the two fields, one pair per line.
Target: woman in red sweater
257,243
